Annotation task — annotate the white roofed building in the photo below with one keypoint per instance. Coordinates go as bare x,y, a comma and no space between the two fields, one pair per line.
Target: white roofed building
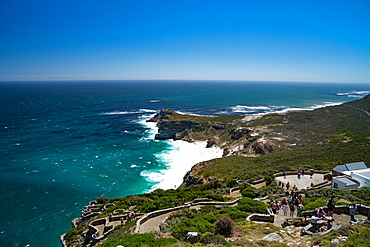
353,175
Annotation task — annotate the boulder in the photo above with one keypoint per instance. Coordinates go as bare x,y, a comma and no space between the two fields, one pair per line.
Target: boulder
192,237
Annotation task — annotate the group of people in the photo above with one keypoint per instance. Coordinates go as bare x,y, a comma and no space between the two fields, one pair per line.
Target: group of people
287,185
300,173
325,217
291,204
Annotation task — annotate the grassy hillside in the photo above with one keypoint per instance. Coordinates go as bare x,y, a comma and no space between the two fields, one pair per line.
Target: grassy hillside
319,139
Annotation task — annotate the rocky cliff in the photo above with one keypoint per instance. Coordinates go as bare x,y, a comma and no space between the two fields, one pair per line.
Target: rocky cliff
230,135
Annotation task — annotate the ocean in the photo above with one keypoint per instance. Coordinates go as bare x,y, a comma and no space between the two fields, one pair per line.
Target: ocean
64,144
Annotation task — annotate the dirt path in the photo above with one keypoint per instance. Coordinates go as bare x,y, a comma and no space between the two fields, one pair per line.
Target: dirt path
368,113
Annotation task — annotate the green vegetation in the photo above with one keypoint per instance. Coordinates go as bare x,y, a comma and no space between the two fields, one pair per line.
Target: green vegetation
358,236
71,235
137,240
210,220
354,195
224,226
210,238
252,206
319,139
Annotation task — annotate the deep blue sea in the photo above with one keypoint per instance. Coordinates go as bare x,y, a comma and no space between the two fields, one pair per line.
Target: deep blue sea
64,144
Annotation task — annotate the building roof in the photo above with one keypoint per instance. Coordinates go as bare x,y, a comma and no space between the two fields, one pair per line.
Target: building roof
341,168
345,180
350,167
363,172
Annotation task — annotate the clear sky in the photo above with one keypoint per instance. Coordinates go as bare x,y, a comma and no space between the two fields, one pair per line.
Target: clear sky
273,40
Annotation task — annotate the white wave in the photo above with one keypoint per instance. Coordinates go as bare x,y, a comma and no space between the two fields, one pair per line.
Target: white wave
118,113
129,112
356,94
151,127
283,110
193,114
178,160
154,101
251,109
147,111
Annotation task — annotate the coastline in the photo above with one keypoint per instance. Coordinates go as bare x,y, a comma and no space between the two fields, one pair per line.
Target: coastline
181,156
177,159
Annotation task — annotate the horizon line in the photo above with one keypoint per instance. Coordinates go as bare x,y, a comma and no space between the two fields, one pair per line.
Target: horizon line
200,80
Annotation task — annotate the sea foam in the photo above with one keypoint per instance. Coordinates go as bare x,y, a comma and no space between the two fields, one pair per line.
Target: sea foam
176,160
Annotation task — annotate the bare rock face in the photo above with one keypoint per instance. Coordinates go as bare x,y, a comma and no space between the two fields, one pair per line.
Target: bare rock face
210,143
218,126
192,180
238,133
175,129
262,147
163,114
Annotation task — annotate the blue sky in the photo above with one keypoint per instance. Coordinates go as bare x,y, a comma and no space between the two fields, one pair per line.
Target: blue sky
318,41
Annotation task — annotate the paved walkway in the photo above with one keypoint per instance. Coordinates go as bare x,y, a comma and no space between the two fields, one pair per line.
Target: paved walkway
302,183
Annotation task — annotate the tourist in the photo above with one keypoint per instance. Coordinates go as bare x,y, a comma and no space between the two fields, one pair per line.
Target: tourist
290,200
299,174
277,207
299,207
292,208
329,225
330,205
352,211
311,173
284,173
314,222
287,185
302,172
273,207
299,197
284,206
320,213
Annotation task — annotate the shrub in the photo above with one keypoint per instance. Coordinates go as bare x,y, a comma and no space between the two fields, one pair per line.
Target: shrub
208,209
230,183
269,179
272,188
148,207
234,213
72,233
198,224
137,240
102,200
243,186
210,238
248,192
252,206
224,226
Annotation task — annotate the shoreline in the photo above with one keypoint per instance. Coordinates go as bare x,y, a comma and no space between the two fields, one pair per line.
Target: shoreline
177,159
181,156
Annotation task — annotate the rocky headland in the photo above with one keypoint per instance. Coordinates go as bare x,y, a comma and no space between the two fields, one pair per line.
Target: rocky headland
272,137
255,149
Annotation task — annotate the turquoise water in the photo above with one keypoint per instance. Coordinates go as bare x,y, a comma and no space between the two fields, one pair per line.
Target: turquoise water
67,143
